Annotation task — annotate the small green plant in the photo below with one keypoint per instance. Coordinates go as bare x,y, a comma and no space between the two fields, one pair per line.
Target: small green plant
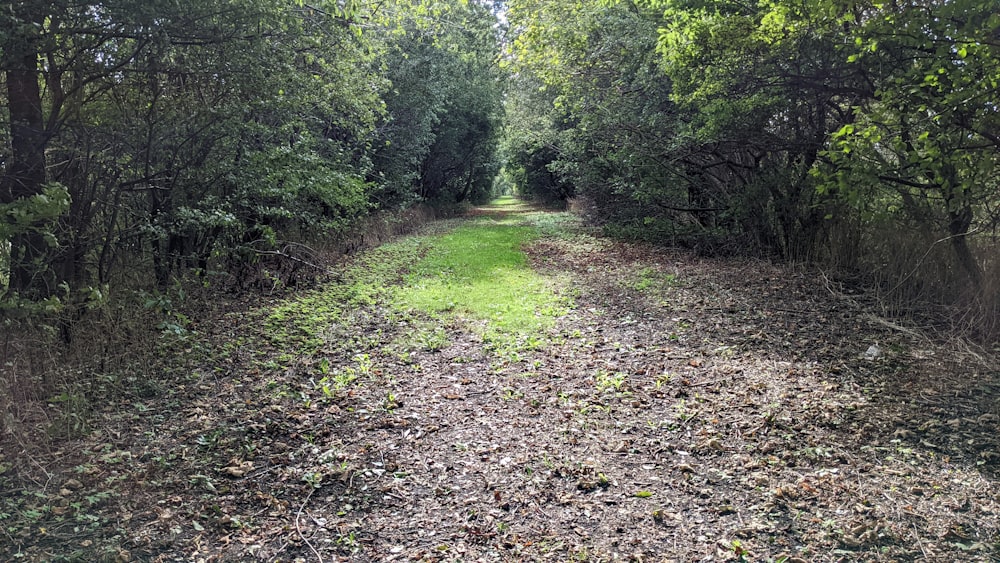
607,381
650,278
433,340
171,322
681,410
662,380
97,498
349,542
738,549
209,441
341,379
390,404
532,342
646,278
337,382
313,479
74,413
364,364
548,462
510,394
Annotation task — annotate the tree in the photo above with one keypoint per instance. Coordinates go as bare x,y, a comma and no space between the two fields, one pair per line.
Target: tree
815,130
178,129
24,179
925,141
444,111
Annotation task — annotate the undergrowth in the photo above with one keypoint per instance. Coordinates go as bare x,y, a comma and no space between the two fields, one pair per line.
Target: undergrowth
300,325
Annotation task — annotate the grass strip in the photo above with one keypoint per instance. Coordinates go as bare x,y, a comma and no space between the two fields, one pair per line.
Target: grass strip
479,272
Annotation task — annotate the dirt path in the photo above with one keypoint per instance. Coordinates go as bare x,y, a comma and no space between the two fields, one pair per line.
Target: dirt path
684,410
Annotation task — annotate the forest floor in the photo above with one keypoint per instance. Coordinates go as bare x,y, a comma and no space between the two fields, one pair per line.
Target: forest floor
658,407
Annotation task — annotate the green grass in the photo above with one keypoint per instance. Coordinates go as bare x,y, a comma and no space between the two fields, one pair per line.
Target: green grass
475,272
648,279
479,272
300,324
506,201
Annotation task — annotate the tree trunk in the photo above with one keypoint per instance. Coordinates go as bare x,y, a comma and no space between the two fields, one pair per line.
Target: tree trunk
30,273
958,227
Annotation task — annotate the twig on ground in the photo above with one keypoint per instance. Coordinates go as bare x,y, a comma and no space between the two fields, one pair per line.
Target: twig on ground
895,327
920,544
298,528
690,418
711,382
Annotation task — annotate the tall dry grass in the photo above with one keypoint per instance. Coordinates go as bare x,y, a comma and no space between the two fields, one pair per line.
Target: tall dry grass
915,275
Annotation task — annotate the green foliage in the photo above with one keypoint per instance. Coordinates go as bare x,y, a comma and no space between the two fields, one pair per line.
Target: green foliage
594,114
607,381
803,129
301,324
210,136
298,192
35,213
444,109
923,149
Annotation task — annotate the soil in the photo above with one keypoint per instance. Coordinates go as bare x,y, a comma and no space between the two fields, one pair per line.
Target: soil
687,409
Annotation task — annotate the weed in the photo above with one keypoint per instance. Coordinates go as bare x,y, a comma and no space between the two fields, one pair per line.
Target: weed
313,479
350,542
681,410
650,279
511,394
391,403
74,412
548,462
738,549
208,441
607,381
646,278
662,380
172,322
433,340
97,498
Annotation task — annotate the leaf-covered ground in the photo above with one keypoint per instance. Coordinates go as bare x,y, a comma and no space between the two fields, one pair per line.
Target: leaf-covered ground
672,408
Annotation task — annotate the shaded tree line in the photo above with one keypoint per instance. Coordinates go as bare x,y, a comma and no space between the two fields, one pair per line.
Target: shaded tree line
143,141
861,134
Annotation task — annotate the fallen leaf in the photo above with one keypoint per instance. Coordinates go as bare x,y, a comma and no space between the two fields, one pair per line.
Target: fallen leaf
234,471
